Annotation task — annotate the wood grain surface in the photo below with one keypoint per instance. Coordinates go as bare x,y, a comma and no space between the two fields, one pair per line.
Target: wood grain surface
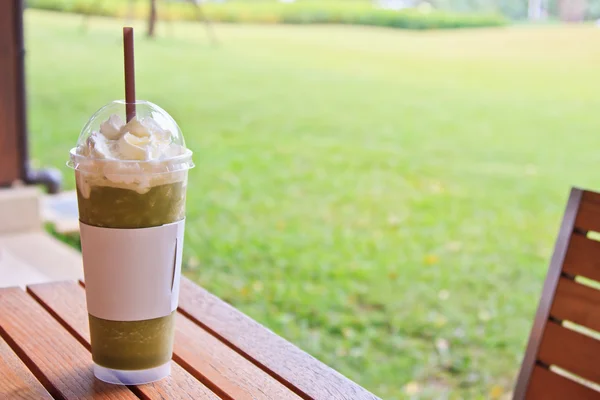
572,351
66,301
546,385
588,217
234,376
16,381
577,303
296,369
10,135
210,361
55,357
583,257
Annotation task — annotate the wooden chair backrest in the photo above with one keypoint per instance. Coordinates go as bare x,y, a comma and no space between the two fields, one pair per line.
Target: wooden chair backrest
12,111
562,360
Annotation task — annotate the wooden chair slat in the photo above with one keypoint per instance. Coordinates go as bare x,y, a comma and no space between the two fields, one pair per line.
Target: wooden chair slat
572,351
583,258
206,357
588,217
547,385
17,382
56,358
577,303
66,302
293,367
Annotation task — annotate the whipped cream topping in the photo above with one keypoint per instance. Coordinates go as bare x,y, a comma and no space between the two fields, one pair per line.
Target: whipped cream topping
108,156
136,140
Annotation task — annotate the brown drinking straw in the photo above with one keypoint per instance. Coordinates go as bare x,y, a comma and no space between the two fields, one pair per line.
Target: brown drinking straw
129,73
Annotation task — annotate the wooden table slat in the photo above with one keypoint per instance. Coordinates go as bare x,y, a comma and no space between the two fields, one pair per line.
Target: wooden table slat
236,377
16,380
296,369
66,301
62,364
223,370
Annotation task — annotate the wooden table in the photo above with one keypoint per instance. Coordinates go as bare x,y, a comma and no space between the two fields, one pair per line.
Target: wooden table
219,353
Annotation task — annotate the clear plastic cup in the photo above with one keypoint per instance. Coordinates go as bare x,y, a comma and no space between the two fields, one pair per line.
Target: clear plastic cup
117,192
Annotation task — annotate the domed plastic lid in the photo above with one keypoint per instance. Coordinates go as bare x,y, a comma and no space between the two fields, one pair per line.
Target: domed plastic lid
151,141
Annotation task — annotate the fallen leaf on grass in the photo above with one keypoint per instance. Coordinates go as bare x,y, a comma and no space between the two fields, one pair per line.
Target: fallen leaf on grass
257,286
496,392
454,246
484,315
443,294
431,259
531,170
436,187
442,345
347,332
412,388
393,220
193,263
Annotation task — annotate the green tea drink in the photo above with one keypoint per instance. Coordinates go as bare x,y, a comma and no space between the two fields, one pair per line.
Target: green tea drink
131,183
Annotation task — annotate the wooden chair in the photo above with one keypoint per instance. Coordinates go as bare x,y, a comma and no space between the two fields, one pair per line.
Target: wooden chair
562,360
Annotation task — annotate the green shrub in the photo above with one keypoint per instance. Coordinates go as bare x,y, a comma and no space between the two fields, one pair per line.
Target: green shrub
302,12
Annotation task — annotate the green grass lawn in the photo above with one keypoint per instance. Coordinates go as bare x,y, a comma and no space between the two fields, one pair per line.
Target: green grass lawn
386,200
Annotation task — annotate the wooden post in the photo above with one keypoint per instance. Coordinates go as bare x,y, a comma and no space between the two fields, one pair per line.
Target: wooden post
14,158
13,146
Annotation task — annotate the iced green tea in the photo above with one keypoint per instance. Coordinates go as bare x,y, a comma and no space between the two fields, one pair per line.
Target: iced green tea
131,179
132,345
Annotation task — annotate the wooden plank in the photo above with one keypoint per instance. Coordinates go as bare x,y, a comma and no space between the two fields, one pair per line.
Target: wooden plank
66,302
583,258
588,218
234,376
543,311
299,371
55,357
572,351
546,385
577,303
16,380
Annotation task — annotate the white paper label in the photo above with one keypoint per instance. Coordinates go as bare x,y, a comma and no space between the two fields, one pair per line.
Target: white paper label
132,274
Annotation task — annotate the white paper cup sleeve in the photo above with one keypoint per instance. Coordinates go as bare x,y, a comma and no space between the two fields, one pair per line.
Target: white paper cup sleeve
132,274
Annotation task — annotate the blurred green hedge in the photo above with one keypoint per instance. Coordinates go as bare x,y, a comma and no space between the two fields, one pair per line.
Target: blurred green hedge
301,12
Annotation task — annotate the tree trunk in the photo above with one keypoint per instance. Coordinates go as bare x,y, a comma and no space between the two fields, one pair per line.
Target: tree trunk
152,18
535,10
